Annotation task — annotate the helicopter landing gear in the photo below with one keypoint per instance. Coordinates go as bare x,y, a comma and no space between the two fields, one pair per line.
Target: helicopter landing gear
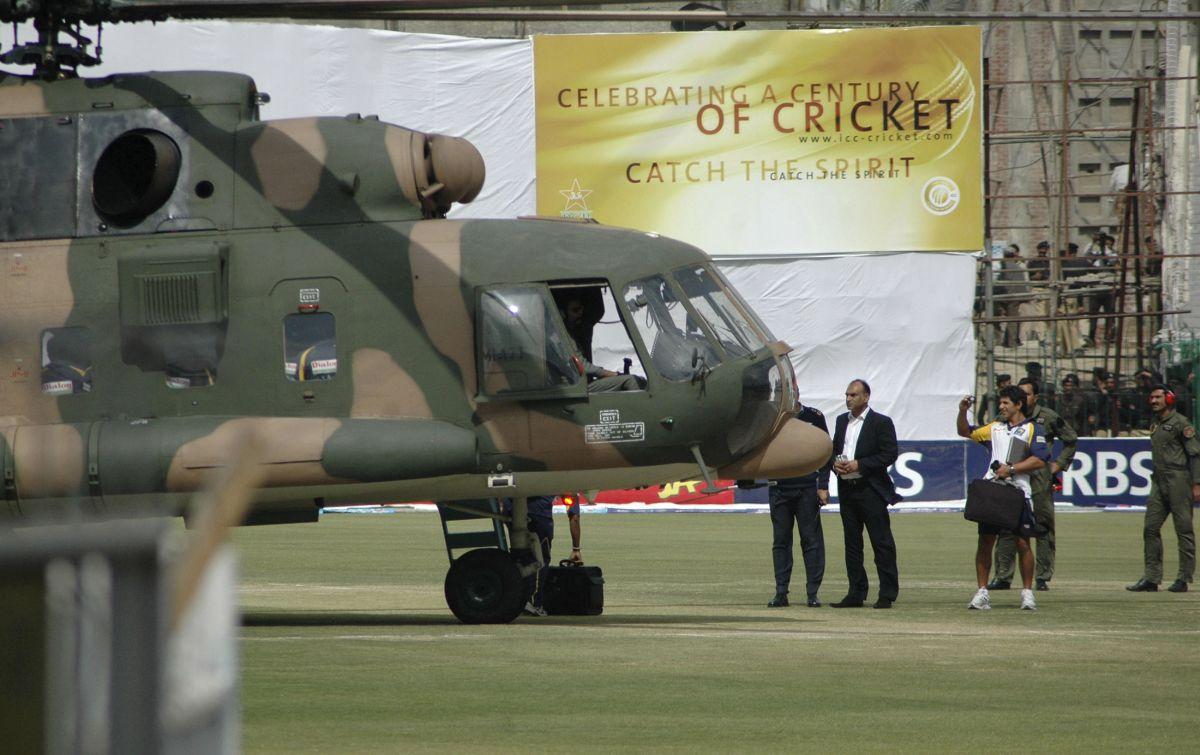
485,586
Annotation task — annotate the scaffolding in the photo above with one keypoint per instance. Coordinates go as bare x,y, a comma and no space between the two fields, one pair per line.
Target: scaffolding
1031,304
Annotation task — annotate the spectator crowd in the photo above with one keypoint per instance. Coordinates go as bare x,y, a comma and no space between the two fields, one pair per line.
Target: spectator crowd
1094,407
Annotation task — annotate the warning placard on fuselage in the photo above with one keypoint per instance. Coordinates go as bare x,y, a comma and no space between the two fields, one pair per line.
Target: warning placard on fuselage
612,430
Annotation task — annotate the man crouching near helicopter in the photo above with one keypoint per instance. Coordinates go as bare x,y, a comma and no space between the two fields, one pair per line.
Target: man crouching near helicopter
1017,450
541,523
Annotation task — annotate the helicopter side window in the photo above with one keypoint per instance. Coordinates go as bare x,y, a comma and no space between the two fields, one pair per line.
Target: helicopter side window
66,361
521,347
600,337
309,347
670,329
726,322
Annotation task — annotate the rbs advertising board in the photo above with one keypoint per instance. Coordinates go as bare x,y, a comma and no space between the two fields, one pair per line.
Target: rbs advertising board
1105,471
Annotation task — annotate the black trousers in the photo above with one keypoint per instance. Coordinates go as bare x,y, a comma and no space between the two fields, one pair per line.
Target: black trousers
861,506
802,508
543,529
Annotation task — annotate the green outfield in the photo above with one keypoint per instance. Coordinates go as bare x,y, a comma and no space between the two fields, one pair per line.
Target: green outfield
348,647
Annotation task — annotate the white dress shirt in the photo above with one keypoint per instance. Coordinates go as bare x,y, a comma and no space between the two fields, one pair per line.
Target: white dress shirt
850,444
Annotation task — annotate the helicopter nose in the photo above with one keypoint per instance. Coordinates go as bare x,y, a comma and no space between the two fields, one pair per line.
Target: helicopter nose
797,449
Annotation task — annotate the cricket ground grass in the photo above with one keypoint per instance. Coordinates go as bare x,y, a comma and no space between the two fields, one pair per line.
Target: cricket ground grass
348,647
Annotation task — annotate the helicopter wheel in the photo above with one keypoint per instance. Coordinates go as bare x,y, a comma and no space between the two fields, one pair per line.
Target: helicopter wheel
485,587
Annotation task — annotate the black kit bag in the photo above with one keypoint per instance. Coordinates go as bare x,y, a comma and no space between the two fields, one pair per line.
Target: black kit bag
994,503
573,590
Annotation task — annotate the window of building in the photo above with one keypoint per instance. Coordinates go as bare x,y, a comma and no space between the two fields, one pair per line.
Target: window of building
309,346
1120,34
66,361
1089,167
1089,199
1090,34
522,346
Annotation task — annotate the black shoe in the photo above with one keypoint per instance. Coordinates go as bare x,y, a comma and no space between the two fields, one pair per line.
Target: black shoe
882,603
999,584
779,601
1143,585
847,602
1178,586
813,602
1041,585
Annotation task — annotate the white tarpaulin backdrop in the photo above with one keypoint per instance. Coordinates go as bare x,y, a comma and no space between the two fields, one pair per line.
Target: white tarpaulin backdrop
902,321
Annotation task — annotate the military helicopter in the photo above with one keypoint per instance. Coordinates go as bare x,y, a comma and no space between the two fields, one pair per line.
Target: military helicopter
174,270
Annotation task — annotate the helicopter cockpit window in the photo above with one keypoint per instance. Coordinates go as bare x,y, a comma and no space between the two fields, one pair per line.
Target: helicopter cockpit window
522,346
678,343
724,319
600,336
66,361
309,347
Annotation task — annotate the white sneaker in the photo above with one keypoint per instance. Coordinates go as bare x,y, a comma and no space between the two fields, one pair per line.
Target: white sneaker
533,610
981,602
1027,601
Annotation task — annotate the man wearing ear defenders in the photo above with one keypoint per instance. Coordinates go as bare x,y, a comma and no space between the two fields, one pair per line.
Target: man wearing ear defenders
1174,486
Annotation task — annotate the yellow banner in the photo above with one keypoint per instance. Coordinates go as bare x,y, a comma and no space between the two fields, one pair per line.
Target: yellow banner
767,142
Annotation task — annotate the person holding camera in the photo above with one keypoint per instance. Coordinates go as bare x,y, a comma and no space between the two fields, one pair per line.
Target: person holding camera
1050,427
1018,448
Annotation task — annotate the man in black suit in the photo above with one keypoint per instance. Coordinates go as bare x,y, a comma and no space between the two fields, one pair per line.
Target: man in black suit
864,446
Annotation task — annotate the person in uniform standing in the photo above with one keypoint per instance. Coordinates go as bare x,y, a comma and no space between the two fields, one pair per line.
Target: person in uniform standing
1050,427
1174,486
864,446
798,501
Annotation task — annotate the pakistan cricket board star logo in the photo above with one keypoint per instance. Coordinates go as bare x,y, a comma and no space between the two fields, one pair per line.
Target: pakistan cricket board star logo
576,201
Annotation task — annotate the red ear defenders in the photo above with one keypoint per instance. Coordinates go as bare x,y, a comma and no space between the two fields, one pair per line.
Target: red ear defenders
1169,398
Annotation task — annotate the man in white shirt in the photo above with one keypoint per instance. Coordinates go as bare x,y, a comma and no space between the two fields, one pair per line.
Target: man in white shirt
1017,449
864,446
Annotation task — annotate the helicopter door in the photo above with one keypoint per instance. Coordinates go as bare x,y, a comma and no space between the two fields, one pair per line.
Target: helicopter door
524,353
619,409
311,320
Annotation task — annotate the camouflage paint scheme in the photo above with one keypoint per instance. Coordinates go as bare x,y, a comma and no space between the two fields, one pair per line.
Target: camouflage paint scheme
352,207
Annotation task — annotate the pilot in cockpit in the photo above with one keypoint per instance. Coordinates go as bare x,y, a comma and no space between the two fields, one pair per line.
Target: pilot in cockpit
600,380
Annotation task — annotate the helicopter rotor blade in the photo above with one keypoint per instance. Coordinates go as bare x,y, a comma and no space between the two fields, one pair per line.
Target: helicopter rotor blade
108,11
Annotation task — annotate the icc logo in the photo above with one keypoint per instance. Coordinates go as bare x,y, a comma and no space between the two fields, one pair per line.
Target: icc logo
940,195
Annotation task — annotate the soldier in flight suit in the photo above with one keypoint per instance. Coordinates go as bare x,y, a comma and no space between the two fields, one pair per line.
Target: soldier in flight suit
1050,426
798,501
1174,486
